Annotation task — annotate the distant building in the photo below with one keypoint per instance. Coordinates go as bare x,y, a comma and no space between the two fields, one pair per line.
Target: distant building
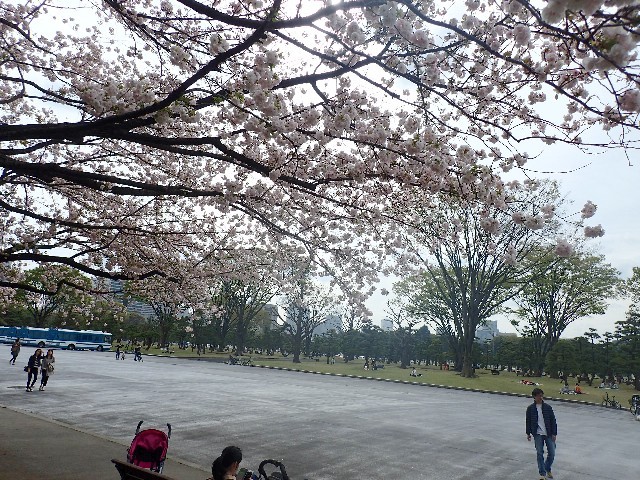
386,324
331,322
133,306
268,317
488,331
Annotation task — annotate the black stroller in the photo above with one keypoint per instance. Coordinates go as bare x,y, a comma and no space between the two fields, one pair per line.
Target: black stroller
245,474
149,448
276,475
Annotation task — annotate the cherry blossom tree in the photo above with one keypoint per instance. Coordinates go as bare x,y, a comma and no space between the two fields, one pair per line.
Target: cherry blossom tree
62,300
139,137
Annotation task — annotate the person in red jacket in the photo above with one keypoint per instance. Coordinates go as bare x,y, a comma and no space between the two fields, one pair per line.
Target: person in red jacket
541,424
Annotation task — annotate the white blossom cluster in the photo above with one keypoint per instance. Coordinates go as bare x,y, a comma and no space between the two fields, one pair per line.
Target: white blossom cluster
116,97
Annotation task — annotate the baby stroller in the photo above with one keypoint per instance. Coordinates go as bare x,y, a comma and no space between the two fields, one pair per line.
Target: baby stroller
276,475
281,474
149,448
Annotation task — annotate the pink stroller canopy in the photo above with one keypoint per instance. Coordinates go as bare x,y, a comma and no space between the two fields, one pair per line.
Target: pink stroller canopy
148,449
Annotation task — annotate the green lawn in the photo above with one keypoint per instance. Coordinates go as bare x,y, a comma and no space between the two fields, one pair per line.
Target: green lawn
484,380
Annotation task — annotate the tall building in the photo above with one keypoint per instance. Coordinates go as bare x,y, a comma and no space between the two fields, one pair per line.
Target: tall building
133,306
268,317
487,331
386,324
331,322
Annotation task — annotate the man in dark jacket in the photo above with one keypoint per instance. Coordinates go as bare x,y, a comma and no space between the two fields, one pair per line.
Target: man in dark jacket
541,423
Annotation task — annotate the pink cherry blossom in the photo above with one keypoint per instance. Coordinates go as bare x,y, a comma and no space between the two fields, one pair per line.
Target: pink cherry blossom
187,141
593,232
588,210
564,248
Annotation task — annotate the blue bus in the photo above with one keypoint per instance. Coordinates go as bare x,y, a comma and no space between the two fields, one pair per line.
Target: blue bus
57,338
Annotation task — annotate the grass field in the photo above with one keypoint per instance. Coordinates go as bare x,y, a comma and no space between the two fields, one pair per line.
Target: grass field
484,380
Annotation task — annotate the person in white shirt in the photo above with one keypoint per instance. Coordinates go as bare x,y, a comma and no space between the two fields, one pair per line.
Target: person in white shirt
541,424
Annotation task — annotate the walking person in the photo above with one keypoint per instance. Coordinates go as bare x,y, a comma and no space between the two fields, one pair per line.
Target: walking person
541,424
32,369
118,351
46,368
15,350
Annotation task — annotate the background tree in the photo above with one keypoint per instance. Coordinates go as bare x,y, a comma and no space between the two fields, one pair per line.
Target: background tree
135,327
594,365
428,301
305,307
164,322
200,330
438,350
631,286
352,322
506,351
15,314
169,301
403,333
374,342
225,300
561,359
62,304
250,299
582,359
482,263
328,344
107,314
627,359
571,288
607,353
268,333
422,346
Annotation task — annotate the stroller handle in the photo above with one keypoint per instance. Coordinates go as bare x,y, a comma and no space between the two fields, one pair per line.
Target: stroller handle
142,421
276,463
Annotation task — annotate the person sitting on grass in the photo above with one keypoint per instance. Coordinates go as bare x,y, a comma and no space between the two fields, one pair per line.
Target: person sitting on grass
414,373
578,390
225,467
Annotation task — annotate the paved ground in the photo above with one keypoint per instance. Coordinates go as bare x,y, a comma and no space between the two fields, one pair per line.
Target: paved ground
323,427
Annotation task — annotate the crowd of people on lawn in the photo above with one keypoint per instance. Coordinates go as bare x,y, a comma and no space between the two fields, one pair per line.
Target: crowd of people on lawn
577,390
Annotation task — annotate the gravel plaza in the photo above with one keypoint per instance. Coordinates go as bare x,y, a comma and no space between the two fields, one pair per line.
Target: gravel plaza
323,427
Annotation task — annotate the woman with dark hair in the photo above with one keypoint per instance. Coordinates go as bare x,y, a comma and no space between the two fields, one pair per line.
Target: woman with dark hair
225,467
32,369
46,368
